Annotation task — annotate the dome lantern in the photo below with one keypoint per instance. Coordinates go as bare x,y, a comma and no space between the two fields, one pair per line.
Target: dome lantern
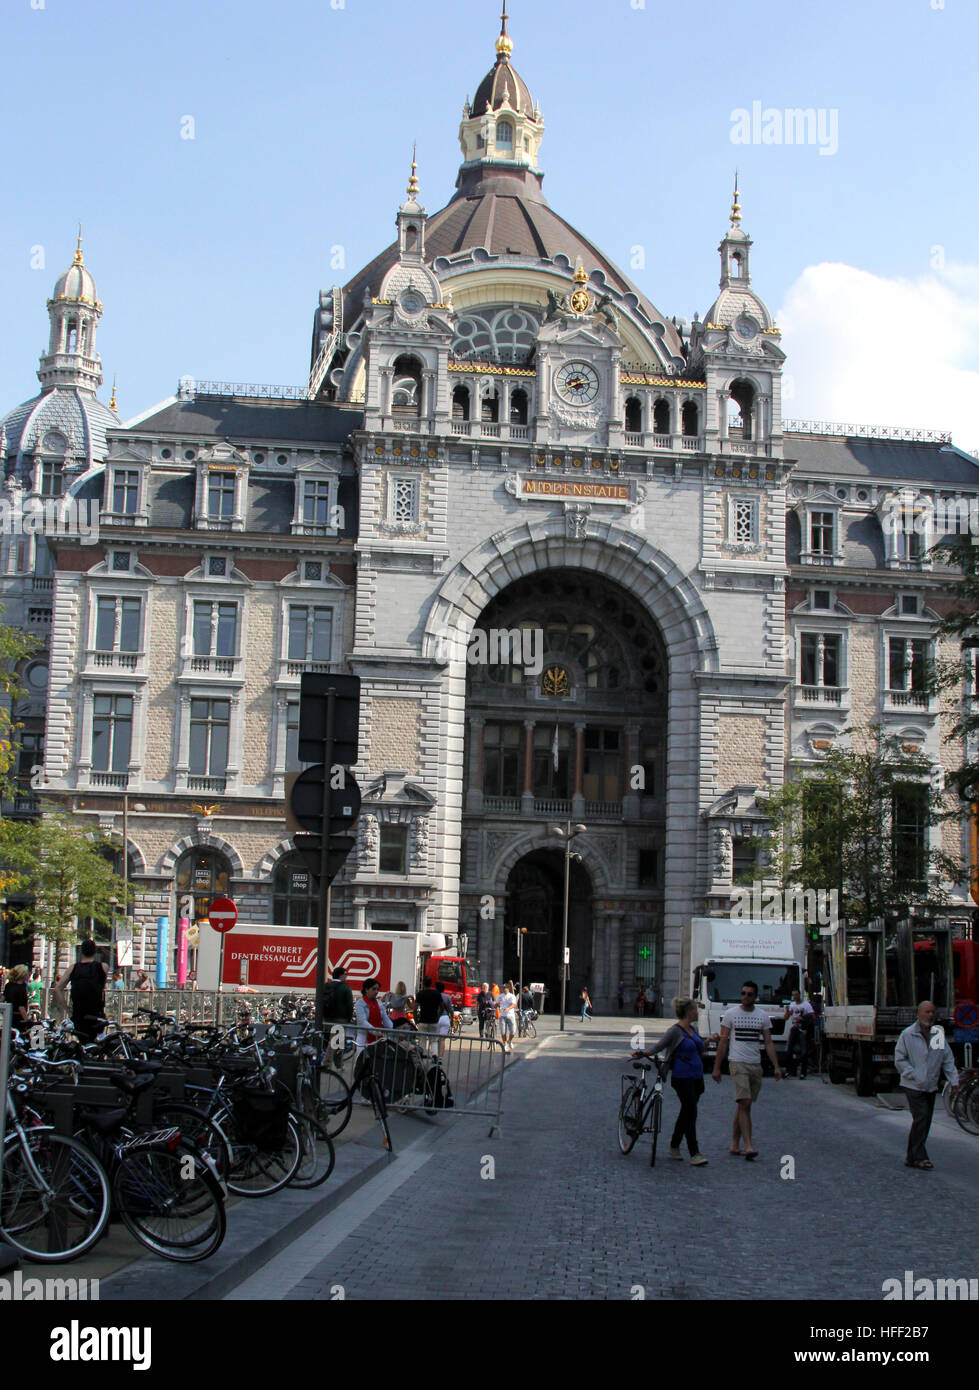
502,125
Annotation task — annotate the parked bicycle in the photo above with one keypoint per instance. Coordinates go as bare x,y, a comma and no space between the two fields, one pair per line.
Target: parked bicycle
641,1106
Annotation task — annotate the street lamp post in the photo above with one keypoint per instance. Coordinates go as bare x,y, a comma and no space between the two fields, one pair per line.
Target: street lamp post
521,933
567,834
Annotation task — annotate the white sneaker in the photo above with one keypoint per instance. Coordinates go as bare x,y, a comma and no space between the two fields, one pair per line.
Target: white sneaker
698,1161
675,1153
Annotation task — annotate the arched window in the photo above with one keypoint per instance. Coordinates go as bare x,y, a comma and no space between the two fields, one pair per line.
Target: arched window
411,238
202,875
518,406
71,337
460,403
742,395
633,415
294,896
688,418
504,133
407,397
661,417
736,266
489,410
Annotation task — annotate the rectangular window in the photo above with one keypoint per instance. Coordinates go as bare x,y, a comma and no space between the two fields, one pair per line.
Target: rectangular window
646,958
405,500
550,782
118,624
502,759
744,525
316,502
820,662
602,779
909,833
125,491
907,662
221,496
393,849
744,860
648,868
210,724
51,481
821,533
112,733
310,633
215,628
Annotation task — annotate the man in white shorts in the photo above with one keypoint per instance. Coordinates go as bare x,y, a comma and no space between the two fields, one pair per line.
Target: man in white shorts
508,1016
744,1031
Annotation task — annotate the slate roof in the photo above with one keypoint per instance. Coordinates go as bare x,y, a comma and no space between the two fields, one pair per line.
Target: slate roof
882,460
64,408
237,418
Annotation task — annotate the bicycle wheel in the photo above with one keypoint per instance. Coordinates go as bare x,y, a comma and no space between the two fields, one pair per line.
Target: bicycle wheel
530,1029
55,1200
170,1202
332,1101
318,1154
197,1129
655,1119
967,1108
489,1029
381,1111
948,1099
256,1173
630,1119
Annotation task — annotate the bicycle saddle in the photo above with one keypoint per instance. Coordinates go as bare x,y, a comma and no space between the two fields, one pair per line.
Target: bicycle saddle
642,1066
132,1085
103,1121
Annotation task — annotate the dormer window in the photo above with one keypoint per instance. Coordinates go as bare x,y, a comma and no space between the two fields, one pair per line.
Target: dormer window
50,478
820,523
504,134
316,512
125,491
221,496
822,531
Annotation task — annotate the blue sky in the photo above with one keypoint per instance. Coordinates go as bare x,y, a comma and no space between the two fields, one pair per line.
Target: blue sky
209,253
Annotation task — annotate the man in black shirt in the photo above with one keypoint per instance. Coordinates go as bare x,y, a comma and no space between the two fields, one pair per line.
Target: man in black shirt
428,1006
87,978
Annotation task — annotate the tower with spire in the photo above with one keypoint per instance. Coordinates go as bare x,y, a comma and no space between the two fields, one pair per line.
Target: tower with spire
502,125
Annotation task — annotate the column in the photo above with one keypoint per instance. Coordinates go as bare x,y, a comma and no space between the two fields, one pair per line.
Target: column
474,801
527,800
630,796
577,792
613,953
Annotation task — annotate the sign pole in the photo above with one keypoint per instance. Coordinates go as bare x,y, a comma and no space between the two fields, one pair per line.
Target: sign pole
323,923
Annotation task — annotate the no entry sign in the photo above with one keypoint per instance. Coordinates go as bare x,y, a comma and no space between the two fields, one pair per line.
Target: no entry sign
222,914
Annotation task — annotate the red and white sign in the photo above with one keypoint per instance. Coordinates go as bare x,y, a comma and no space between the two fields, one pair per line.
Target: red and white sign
222,914
278,960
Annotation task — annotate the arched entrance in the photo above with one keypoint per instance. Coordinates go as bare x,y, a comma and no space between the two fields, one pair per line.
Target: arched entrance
535,900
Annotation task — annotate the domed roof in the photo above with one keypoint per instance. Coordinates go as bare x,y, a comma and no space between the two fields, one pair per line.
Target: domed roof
77,282
502,85
733,303
51,421
503,211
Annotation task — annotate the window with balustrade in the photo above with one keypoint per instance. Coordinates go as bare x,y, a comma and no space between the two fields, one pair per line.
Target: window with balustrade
118,624
602,777
907,670
210,726
112,733
551,772
215,629
502,759
309,633
820,661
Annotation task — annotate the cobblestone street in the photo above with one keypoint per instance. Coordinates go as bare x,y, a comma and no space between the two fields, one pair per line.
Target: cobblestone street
600,1225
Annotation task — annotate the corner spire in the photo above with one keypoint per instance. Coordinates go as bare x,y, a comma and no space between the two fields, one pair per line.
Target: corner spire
504,44
78,248
112,403
412,189
736,205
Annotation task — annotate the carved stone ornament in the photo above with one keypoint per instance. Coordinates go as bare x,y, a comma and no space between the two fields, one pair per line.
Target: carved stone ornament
723,854
580,419
576,521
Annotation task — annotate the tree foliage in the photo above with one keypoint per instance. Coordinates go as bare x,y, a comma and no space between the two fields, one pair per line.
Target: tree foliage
57,860
15,647
858,824
949,674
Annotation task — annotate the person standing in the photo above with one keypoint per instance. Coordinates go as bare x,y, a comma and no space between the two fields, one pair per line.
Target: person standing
508,1016
87,978
586,1008
684,1048
397,1002
922,1057
745,1029
338,999
485,1008
620,998
428,1006
371,1014
801,1019
641,1001
15,994
35,988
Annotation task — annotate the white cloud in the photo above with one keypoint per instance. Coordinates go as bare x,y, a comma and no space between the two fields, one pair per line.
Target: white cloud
869,350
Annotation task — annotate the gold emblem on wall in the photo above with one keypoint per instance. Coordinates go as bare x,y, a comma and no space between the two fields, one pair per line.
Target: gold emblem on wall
556,681
581,301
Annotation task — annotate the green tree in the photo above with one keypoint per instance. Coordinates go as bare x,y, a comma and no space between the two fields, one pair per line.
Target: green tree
951,674
58,860
15,647
857,823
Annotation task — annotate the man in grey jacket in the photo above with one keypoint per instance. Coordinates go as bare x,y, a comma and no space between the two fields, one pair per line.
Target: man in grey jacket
922,1056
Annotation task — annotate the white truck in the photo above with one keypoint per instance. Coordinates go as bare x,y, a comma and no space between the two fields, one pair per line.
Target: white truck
725,953
279,960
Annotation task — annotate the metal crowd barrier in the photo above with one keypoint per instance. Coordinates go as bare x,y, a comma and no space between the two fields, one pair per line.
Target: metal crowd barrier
408,1062
189,1006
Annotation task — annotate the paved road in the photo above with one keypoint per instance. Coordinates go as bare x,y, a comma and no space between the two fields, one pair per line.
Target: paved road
590,1223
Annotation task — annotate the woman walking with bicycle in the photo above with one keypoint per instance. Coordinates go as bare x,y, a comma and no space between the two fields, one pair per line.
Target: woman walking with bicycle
684,1049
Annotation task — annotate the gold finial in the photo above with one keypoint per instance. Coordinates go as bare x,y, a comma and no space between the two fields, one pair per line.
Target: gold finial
735,206
78,249
504,44
580,274
112,403
413,181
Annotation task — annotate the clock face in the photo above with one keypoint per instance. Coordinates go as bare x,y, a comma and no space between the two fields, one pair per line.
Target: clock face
412,302
577,383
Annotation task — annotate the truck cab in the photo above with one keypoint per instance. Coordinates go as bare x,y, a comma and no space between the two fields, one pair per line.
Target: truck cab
454,975
725,953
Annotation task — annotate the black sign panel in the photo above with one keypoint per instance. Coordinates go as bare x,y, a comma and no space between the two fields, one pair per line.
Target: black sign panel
306,800
312,717
309,847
